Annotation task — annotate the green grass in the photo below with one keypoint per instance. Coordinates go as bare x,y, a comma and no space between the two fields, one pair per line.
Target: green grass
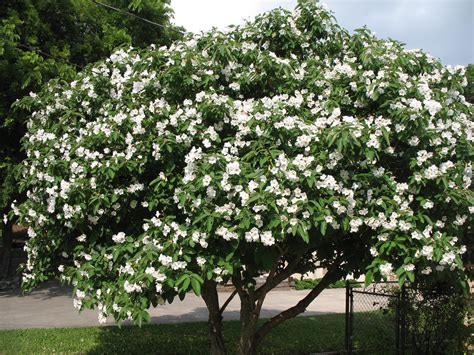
301,335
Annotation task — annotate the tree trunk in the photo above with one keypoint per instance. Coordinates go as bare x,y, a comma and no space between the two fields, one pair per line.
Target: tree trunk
248,325
7,241
210,296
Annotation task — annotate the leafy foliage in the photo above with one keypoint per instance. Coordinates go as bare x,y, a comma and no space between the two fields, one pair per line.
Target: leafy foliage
470,83
436,318
44,39
226,156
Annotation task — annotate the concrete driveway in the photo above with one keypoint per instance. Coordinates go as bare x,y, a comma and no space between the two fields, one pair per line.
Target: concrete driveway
51,306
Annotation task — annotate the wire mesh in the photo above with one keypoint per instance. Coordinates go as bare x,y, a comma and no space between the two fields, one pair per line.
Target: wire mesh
373,320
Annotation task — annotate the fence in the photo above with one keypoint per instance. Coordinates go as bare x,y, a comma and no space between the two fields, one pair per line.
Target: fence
378,309
408,320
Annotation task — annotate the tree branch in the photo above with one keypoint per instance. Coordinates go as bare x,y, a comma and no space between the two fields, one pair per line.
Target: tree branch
261,295
332,275
278,278
226,303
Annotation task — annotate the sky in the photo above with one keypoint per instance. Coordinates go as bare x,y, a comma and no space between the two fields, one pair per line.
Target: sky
443,28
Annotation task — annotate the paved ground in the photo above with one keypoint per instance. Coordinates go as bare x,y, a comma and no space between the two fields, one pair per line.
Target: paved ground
51,306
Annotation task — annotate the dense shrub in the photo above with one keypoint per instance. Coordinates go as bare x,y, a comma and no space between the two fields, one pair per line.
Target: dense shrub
436,317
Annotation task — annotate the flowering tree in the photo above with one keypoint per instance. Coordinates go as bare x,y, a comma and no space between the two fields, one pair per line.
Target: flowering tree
262,150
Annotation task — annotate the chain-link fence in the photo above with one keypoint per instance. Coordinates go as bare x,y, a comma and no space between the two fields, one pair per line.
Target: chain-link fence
387,319
373,319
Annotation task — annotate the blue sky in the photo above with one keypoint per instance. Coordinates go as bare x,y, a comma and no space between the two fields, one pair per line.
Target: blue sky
443,28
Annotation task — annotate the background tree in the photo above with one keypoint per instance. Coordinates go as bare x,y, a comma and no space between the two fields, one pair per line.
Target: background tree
282,143
44,39
470,83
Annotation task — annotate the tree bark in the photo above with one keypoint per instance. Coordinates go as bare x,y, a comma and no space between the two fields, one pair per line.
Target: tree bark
7,241
211,298
251,302
248,324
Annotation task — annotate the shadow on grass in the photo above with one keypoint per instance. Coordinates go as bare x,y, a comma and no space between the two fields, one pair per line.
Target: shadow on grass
302,335
46,290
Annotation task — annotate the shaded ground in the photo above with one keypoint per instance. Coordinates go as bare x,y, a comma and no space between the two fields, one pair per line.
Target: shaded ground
51,306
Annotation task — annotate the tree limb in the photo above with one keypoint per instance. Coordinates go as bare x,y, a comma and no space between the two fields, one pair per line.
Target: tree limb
278,278
226,303
332,275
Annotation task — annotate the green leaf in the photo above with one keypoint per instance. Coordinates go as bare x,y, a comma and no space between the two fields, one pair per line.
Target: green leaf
303,233
210,223
196,285
369,276
181,279
185,285
323,227
401,279
197,277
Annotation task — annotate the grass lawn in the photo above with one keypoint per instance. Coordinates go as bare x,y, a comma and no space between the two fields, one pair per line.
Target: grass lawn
301,335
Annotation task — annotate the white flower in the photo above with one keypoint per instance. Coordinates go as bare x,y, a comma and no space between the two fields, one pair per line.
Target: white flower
206,180
102,318
80,294
119,237
165,260
267,238
158,276
129,288
432,172
432,106
448,258
428,205
426,271
416,235
427,252
303,141
234,86
81,238
233,168
374,252
386,269
252,235
414,141
252,185
329,219
244,197
200,261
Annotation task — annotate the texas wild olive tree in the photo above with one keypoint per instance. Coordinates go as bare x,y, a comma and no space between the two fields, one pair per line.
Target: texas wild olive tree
261,150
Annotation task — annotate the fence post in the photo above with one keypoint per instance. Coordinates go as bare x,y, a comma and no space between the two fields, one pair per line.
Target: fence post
349,311
403,325
398,323
346,333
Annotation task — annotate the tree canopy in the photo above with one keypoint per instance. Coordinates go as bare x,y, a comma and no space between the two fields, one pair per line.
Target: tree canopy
261,150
